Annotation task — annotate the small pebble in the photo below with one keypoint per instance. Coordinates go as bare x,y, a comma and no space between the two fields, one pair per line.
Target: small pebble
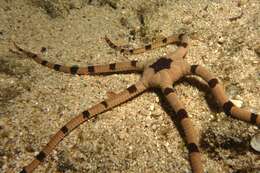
255,142
76,4
221,40
241,3
29,148
151,107
257,50
187,20
238,103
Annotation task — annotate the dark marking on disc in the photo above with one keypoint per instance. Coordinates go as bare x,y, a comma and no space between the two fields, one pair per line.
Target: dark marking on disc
161,64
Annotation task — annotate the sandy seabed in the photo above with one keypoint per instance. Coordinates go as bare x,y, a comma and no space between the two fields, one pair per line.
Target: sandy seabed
138,136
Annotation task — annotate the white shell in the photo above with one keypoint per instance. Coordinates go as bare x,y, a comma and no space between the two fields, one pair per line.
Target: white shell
255,142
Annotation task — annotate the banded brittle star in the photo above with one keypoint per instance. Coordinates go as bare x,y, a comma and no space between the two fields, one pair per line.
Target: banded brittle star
161,72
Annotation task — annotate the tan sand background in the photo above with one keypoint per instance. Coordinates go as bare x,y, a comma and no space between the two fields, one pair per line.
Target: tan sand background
138,136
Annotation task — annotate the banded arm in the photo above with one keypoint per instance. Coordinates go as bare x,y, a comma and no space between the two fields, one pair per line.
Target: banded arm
103,106
219,93
182,50
96,69
190,132
174,39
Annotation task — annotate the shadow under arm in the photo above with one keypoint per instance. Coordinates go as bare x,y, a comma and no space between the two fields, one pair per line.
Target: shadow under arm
218,91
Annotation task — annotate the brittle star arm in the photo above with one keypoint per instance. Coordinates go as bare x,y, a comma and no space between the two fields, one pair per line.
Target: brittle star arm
190,132
219,93
154,45
103,106
95,69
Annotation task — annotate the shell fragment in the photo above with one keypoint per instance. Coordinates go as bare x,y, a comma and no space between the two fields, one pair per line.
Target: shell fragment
255,142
